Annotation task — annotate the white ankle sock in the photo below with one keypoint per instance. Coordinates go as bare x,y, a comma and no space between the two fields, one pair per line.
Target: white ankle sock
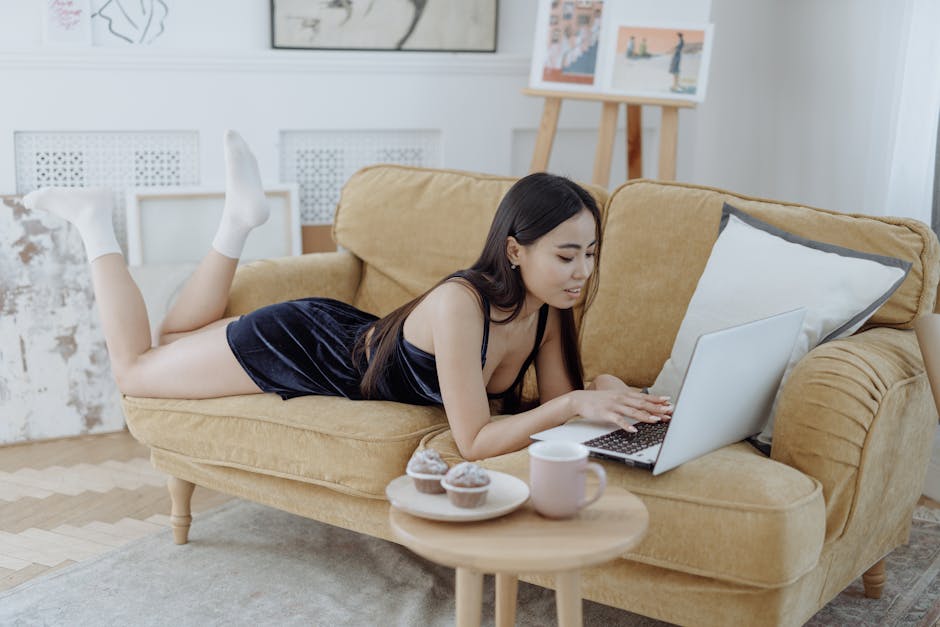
245,204
89,209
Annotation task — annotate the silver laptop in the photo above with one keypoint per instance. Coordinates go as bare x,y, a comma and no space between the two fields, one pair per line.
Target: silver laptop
726,396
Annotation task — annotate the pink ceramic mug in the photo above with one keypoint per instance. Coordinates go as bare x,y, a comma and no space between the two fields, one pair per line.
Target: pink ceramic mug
557,478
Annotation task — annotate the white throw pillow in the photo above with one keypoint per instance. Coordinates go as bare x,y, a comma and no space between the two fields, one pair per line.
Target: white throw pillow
756,270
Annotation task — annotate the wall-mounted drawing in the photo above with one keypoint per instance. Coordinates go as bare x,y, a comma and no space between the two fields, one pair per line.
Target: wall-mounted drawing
132,21
66,22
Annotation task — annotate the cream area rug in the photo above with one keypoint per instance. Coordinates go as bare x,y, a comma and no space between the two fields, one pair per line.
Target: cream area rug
247,564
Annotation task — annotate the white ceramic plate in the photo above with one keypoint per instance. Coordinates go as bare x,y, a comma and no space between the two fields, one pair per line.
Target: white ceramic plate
506,494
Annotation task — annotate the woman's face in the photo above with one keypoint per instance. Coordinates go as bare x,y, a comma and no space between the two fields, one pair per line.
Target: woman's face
556,267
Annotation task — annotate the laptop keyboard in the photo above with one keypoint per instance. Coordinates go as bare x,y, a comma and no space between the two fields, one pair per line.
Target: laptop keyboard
647,434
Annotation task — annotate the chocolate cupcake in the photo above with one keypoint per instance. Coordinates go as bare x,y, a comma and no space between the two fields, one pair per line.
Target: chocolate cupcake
427,468
467,485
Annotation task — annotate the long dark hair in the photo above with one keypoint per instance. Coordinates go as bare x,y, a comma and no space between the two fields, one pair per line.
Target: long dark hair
532,207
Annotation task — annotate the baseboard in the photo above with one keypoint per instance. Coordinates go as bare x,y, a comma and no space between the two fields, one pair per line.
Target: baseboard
932,483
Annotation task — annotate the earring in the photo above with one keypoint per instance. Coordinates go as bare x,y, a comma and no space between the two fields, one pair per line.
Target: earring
513,266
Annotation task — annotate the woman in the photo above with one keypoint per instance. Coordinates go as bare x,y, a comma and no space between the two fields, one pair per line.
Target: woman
676,61
473,334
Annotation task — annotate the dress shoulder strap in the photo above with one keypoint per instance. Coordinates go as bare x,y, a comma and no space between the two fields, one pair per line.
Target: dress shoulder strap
486,326
485,305
539,334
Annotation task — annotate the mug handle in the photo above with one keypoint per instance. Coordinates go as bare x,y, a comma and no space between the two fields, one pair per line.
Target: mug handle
598,470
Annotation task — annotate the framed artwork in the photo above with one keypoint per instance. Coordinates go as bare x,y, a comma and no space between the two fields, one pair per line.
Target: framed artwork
660,61
617,48
425,25
66,22
569,37
175,225
122,22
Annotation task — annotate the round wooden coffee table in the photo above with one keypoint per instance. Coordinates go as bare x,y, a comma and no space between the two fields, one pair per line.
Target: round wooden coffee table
525,542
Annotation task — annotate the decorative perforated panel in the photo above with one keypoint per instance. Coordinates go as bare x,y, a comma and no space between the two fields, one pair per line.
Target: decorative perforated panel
321,161
118,160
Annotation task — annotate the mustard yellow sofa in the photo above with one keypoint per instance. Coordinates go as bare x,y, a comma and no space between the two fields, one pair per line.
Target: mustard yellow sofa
736,538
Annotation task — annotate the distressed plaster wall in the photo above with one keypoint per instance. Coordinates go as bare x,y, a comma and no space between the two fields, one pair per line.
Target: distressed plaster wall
55,378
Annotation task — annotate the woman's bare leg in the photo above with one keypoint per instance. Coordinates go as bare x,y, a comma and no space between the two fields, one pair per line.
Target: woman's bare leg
122,309
205,295
122,312
202,300
200,366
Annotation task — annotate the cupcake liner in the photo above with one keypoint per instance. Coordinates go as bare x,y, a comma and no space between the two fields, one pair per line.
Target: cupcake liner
466,497
426,483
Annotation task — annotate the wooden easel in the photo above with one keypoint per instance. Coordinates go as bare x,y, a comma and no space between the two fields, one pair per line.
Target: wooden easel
668,132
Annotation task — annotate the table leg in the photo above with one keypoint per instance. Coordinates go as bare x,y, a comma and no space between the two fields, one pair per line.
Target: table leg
506,587
469,597
568,598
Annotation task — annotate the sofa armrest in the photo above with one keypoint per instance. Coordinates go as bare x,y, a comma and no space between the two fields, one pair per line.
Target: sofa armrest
857,415
267,281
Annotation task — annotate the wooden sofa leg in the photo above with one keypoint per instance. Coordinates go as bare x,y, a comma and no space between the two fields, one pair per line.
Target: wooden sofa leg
181,495
874,580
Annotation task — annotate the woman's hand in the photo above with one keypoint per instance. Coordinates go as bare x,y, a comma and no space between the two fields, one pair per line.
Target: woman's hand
620,407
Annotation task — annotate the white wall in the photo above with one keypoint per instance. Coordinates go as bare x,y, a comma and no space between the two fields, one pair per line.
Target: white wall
726,145
835,91
211,78
801,101
801,96
211,71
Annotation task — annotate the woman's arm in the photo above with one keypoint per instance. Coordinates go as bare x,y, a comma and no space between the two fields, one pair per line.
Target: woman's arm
553,376
510,434
457,331
610,382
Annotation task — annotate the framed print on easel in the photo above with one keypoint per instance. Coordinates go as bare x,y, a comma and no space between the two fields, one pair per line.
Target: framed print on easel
612,48
569,40
619,54
664,60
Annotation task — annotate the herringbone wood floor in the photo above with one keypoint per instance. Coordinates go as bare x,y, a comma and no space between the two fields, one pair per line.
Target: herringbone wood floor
62,501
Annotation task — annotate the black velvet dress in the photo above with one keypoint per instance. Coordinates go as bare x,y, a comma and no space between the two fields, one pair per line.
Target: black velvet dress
305,347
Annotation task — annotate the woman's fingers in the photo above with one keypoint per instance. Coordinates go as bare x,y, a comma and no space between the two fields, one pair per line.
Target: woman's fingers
646,398
643,416
622,422
627,411
661,409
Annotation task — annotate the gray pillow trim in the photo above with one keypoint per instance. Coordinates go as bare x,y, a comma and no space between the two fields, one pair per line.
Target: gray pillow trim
727,211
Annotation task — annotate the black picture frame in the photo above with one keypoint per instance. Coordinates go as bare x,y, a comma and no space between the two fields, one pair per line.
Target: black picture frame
298,24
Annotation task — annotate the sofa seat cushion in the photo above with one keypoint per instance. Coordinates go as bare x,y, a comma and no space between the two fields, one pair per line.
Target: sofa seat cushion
733,515
354,447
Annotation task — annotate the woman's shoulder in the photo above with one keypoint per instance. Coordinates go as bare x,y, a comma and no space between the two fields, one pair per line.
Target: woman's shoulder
455,297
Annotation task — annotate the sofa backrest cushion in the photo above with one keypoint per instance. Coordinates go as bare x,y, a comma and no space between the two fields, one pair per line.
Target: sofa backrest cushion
413,226
658,237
